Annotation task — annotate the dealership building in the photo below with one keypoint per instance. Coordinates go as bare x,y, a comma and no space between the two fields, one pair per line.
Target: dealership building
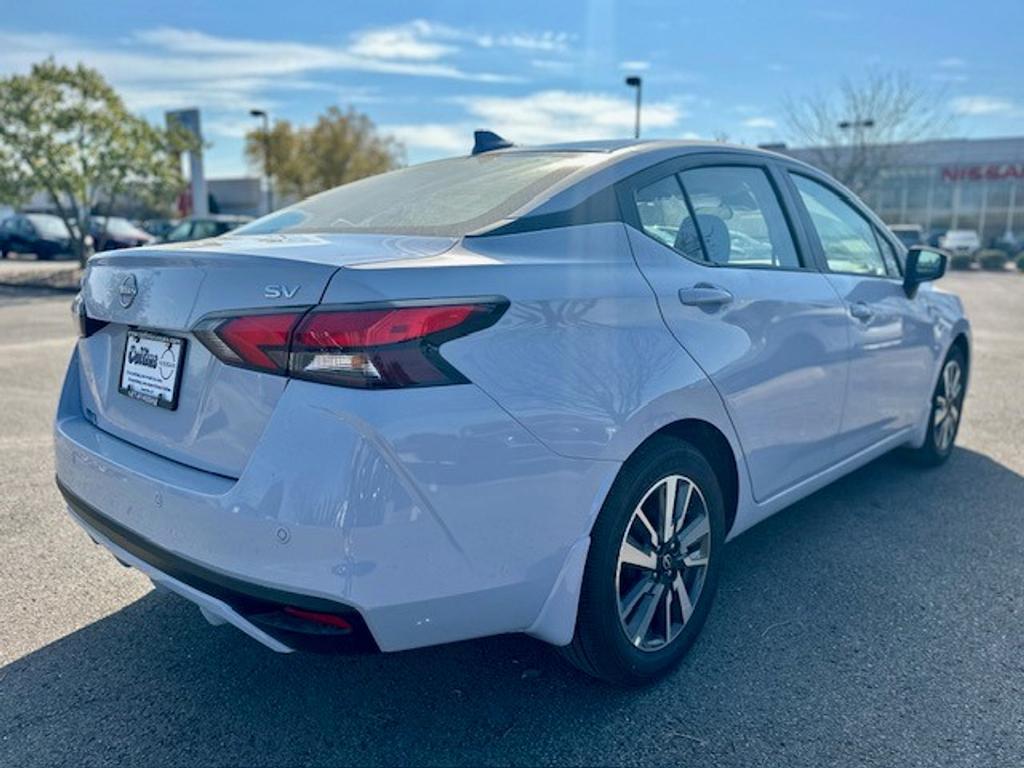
950,184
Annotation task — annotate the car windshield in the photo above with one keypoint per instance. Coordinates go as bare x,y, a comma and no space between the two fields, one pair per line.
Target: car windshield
49,226
446,197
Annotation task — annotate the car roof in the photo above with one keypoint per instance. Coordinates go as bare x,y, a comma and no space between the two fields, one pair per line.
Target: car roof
642,146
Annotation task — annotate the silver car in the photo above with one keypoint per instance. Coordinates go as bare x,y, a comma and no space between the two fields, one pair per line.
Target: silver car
528,390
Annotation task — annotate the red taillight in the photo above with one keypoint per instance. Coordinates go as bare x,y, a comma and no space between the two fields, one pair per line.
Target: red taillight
253,341
365,346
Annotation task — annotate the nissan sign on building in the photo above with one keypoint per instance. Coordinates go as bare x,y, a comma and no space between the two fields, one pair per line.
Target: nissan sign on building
950,184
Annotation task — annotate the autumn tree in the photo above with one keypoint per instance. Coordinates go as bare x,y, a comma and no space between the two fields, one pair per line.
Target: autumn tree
340,147
64,131
858,131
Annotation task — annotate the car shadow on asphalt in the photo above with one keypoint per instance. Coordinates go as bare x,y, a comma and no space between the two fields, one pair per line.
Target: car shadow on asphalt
821,611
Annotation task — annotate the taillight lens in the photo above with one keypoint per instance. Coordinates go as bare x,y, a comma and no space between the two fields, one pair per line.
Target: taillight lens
366,346
394,346
257,341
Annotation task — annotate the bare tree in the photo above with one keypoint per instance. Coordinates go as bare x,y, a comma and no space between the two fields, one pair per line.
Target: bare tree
859,131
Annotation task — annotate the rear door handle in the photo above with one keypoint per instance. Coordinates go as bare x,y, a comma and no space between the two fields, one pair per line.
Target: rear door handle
861,311
704,295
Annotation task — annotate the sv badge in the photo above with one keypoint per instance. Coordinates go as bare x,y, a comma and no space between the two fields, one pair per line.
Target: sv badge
280,291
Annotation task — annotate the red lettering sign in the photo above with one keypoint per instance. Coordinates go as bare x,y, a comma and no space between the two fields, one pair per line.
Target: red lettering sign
992,172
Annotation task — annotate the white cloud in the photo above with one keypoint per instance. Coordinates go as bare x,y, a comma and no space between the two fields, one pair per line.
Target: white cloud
168,67
635,66
550,42
407,41
952,62
981,105
539,118
760,122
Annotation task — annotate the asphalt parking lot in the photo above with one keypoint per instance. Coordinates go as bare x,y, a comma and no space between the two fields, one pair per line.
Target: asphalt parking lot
878,622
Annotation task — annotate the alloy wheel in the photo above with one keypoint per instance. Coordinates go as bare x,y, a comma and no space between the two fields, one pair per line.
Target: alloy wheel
948,401
663,562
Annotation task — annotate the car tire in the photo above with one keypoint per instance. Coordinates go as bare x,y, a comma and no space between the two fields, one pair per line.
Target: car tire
633,624
945,413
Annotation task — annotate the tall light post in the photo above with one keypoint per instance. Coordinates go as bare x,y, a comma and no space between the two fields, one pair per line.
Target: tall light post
266,155
635,81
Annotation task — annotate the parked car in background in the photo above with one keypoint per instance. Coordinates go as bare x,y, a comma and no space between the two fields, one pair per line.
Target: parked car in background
43,234
909,234
529,390
1008,243
158,227
206,226
109,233
961,242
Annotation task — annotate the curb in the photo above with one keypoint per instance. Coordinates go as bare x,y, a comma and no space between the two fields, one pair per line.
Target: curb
41,287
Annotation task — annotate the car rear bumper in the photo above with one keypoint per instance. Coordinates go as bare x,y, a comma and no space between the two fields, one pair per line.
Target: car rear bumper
428,518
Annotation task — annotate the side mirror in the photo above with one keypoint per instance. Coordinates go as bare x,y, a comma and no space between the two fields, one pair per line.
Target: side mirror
924,264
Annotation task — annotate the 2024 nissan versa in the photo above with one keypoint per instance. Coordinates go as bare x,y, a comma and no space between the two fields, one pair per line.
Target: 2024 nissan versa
527,390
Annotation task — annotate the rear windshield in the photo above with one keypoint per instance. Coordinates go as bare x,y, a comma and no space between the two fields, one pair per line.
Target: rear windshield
446,197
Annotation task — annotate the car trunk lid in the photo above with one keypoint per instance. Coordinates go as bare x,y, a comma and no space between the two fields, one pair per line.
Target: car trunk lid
221,410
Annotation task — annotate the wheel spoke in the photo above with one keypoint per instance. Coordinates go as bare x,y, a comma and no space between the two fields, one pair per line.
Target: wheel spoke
685,508
694,532
648,616
634,596
695,559
655,539
954,391
633,555
668,513
684,598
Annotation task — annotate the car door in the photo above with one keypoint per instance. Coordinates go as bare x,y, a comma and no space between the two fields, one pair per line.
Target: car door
890,333
712,236
23,238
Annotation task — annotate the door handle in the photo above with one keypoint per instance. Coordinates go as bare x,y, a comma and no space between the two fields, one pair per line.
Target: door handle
704,295
861,311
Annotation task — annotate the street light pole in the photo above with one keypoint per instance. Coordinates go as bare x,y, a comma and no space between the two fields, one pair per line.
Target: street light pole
635,81
266,155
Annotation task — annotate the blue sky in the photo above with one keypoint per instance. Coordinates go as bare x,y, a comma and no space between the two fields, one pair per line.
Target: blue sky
431,72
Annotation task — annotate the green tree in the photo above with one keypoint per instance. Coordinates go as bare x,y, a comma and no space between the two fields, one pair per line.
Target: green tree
340,147
64,131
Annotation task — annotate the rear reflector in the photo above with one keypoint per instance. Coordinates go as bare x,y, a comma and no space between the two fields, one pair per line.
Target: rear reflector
388,346
328,619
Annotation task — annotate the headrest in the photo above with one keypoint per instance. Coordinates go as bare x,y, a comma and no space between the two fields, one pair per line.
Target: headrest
716,238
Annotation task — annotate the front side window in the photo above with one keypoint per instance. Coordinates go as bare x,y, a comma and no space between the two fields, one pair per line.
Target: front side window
847,238
892,262
739,217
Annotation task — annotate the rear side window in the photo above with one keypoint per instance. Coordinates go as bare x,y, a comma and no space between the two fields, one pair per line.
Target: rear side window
447,197
664,216
847,238
739,217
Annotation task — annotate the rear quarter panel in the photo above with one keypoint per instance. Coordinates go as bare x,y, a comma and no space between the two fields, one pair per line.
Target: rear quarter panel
581,358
